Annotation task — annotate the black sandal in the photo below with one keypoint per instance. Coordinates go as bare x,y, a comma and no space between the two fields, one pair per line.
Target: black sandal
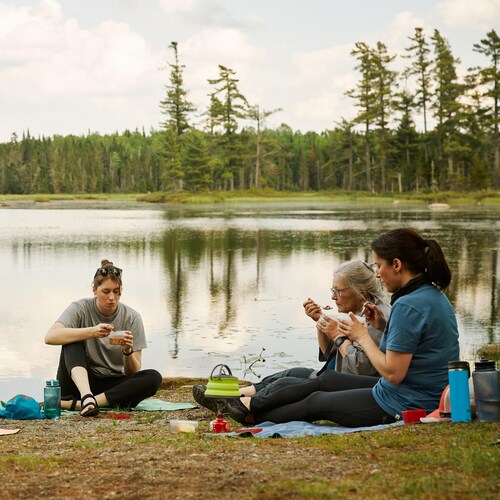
239,412
73,400
94,411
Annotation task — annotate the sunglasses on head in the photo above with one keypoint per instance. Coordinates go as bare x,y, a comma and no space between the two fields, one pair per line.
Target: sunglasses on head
371,267
104,271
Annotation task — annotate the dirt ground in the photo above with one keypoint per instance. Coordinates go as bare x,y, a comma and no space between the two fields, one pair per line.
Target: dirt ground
140,457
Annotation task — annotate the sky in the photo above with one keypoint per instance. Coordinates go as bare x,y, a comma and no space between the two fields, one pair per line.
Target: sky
79,67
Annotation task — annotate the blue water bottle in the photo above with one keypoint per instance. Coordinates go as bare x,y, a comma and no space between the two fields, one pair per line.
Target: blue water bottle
458,375
52,399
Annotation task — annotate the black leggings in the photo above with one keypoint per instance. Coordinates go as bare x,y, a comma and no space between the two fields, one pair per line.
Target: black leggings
339,397
267,388
124,391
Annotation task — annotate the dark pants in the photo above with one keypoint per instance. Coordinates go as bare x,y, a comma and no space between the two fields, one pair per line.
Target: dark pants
302,373
124,391
268,386
339,397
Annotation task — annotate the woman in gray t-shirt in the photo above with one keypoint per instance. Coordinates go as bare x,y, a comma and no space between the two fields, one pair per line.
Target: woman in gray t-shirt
95,370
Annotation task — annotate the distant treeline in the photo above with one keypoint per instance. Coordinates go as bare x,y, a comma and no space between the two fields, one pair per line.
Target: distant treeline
380,150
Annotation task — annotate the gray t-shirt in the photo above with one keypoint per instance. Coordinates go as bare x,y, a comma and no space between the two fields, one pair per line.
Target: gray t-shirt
105,360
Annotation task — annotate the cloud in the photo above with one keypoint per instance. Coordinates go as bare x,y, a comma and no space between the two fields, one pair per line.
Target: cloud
64,77
204,12
101,71
177,6
28,32
54,56
322,65
202,53
319,84
227,46
480,15
402,27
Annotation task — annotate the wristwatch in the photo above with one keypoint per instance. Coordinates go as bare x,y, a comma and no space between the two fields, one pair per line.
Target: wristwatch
339,341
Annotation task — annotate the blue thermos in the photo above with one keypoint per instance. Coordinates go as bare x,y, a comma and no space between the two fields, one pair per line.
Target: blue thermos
52,399
458,375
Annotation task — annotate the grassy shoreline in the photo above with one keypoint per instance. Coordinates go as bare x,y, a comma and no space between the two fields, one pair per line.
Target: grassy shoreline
263,196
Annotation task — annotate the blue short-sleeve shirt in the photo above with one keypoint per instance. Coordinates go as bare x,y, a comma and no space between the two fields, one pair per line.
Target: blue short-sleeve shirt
421,323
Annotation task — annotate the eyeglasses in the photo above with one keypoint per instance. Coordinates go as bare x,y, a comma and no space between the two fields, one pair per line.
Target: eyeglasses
104,271
371,266
338,291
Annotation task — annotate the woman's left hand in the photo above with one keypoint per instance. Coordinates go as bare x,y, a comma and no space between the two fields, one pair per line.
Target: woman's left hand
353,329
328,326
128,341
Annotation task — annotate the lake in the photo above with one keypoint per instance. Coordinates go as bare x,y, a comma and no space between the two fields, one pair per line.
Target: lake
217,284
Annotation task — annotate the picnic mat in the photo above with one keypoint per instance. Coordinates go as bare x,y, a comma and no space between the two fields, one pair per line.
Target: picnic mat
161,405
299,429
146,405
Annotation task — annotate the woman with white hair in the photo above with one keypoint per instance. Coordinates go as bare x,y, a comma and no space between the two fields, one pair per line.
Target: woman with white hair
354,283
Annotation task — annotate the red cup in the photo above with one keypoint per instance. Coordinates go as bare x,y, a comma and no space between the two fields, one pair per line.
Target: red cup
413,416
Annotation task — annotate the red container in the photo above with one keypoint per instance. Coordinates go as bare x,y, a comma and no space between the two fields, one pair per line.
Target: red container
413,416
220,425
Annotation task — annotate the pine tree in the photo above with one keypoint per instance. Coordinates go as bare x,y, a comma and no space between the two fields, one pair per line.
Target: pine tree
259,117
171,172
384,84
447,106
227,106
366,99
421,69
176,106
196,160
406,140
489,78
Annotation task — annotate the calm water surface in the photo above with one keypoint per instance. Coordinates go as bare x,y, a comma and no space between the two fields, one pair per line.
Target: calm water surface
217,284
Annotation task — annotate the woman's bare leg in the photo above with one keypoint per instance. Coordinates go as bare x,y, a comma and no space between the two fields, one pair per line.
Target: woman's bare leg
80,377
249,390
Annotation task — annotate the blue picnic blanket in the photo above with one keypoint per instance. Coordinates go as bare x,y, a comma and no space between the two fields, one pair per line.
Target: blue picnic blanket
299,429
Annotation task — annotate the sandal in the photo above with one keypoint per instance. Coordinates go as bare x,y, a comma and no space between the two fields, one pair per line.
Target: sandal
94,411
216,405
73,400
239,412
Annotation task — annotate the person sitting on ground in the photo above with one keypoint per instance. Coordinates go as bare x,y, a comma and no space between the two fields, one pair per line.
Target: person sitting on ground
420,338
354,282
92,372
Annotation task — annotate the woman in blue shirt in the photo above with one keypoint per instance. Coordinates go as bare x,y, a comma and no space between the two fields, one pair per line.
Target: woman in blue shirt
420,337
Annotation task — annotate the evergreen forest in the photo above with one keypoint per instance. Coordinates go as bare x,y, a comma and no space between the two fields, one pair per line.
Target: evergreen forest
380,150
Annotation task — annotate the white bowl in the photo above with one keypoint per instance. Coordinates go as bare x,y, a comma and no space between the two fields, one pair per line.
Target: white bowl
331,313
183,425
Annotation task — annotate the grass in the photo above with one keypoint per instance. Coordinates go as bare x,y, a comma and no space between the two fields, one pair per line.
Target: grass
29,462
267,196
442,460
142,458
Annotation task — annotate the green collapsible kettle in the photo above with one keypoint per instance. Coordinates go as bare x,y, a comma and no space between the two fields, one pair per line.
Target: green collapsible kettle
223,384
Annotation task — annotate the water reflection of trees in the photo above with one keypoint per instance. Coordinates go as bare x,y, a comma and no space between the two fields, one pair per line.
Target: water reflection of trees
474,291
228,254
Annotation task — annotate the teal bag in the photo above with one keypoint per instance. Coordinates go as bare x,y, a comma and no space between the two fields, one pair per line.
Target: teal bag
21,407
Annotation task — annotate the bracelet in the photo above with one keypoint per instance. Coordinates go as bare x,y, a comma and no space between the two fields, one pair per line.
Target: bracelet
127,354
340,340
